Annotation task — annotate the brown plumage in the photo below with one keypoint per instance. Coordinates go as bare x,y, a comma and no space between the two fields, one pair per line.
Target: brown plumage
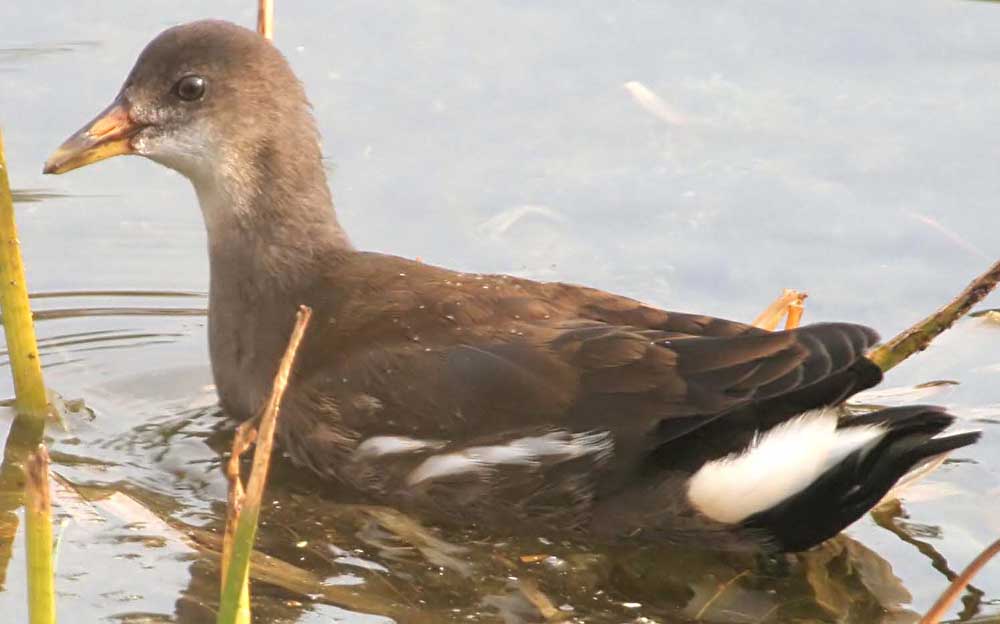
489,399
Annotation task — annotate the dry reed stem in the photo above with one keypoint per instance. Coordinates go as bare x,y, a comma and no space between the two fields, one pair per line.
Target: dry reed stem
237,569
937,611
772,314
548,609
795,310
265,19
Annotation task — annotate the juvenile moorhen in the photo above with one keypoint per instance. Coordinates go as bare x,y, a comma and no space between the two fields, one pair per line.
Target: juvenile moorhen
489,399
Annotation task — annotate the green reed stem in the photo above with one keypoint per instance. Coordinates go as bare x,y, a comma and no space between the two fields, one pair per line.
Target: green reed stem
18,328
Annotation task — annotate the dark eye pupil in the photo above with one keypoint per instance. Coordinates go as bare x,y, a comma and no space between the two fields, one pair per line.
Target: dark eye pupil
190,87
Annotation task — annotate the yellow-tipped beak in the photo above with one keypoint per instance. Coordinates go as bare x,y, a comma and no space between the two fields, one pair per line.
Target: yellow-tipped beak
109,134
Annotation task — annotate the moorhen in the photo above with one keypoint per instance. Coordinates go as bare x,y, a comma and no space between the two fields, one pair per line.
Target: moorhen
491,400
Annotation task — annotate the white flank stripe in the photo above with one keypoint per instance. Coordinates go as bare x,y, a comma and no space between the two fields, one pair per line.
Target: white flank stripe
393,445
528,451
782,462
438,466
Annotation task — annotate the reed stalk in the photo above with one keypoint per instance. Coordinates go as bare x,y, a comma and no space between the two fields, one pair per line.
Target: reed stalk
937,611
245,436
38,533
247,510
24,441
790,303
265,19
31,401
919,336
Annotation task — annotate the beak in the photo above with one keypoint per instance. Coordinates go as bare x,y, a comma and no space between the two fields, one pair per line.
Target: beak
109,134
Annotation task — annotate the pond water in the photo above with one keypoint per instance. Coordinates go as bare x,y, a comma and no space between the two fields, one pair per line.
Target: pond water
698,156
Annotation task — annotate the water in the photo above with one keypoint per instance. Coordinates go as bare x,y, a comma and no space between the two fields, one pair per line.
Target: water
850,153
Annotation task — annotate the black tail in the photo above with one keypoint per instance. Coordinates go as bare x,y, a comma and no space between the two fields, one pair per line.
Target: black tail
857,483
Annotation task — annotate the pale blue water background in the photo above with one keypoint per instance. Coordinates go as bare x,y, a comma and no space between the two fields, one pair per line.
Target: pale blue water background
850,150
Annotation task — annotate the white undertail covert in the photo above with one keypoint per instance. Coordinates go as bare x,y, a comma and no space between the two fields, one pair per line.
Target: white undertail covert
782,462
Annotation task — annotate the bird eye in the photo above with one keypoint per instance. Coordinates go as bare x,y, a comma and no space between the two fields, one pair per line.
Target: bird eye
190,88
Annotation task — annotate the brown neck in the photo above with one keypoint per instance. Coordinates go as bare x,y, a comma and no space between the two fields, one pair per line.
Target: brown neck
272,233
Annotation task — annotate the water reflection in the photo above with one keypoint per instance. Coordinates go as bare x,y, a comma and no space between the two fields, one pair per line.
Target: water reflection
14,58
31,196
390,564
376,560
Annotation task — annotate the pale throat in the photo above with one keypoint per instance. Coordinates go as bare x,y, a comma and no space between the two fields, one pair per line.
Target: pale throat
225,202
258,230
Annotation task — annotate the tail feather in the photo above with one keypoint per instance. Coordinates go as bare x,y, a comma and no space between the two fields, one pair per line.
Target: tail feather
914,436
